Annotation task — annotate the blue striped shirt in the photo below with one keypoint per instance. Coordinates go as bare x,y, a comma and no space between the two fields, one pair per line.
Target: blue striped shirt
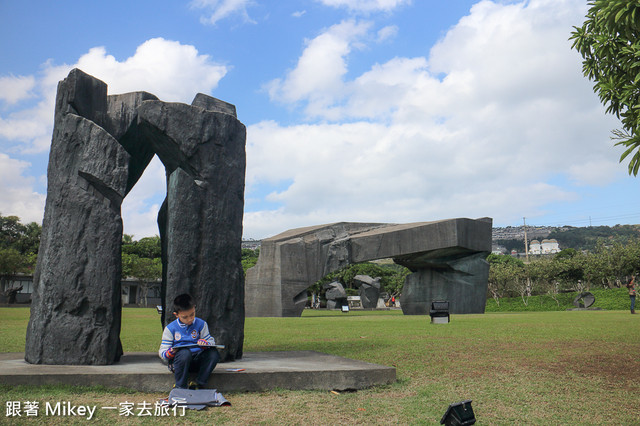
178,334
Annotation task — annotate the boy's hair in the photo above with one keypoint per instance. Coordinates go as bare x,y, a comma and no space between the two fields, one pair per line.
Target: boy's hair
183,302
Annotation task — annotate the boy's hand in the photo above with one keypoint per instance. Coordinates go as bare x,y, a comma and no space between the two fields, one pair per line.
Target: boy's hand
170,354
202,342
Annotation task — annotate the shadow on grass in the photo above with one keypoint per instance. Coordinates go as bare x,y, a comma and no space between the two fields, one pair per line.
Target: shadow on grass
362,349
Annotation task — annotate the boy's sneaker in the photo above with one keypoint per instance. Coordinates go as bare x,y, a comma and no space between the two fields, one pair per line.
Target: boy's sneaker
193,386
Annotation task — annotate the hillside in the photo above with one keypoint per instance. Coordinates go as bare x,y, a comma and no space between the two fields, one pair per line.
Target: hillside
579,238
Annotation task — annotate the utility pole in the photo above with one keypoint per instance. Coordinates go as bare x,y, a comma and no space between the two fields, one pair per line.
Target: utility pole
526,245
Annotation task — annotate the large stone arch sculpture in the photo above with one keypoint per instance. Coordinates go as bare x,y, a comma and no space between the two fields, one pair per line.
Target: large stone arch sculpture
447,259
100,147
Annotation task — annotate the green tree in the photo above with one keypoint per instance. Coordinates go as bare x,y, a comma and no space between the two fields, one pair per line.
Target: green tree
11,261
395,282
148,247
503,270
609,42
249,258
586,238
30,260
500,259
567,253
570,272
10,231
146,271
127,264
542,273
24,239
499,279
29,238
391,277
595,268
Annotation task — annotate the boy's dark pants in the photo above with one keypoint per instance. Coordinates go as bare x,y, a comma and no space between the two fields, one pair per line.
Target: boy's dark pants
203,362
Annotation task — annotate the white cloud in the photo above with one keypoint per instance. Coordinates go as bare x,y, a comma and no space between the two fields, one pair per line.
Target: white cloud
172,71
386,87
480,127
366,5
18,196
221,9
298,13
140,207
596,171
14,89
387,32
168,69
317,77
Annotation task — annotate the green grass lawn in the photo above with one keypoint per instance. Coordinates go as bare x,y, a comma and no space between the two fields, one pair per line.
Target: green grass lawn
560,367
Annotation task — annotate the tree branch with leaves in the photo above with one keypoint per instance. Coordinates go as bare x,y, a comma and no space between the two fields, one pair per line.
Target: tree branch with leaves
609,42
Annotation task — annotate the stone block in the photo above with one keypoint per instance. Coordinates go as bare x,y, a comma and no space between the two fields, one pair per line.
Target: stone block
368,289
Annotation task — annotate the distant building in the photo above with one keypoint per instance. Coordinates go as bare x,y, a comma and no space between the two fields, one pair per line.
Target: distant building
251,244
133,294
544,247
517,232
535,247
549,246
498,249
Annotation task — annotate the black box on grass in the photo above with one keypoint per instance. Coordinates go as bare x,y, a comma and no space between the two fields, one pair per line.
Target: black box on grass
459,414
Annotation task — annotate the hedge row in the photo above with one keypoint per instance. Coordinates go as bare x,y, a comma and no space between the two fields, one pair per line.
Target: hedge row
615,299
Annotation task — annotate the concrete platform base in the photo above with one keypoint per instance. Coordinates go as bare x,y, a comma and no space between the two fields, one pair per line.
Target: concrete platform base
145,372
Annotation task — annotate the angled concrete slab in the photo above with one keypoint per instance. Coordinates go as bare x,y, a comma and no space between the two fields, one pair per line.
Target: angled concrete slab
143,371
446,258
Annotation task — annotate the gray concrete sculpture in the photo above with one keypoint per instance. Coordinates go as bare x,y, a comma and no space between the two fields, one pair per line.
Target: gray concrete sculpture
335,294
201,220
101,145
584,300
368,289
446,258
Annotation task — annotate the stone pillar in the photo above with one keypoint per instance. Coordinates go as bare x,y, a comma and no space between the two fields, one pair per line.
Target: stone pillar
203,150
462,281
75,310
335,294
368,289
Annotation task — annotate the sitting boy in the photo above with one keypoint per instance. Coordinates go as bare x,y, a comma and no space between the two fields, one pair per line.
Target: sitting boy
188,330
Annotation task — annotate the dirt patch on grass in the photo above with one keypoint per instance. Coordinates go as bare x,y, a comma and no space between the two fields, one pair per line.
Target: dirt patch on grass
614,367
611,365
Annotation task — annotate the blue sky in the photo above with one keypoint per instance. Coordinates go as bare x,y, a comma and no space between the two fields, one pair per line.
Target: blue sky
356,110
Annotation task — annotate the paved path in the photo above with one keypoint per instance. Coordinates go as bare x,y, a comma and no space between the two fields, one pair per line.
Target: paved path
144,371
